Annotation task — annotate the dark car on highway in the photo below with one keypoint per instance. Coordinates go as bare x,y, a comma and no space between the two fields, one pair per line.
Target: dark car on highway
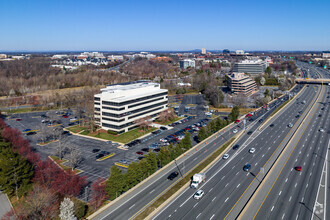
271,125
173,175
236,146
247,167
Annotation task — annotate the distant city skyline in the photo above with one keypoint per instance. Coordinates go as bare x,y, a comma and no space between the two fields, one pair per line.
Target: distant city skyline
173,25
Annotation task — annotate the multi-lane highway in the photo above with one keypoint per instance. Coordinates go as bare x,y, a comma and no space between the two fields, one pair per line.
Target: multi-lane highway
131,204
294,192
226,180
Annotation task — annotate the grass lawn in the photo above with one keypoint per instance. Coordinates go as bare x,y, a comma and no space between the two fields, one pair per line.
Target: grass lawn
242,111
170,121
59,162
122,138
76,128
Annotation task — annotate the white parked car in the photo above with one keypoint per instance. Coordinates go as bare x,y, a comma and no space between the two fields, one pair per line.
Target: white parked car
252,150
199,194
290,125
235,131
225,156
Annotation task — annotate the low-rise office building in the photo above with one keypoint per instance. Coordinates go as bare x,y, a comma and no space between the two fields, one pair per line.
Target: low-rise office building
118,106
256,66
187,63
239,83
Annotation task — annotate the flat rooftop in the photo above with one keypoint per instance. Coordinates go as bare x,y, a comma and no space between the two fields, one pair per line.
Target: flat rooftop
129,86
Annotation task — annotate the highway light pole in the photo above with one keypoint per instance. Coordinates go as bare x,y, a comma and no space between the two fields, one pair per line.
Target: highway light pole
178,168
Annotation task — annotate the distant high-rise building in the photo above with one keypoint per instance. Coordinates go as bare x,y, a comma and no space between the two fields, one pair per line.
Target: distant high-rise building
187,63
240,52
256,66
226,51
203,50
239,83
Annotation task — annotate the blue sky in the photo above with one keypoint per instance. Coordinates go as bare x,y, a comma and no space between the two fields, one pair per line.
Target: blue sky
41,25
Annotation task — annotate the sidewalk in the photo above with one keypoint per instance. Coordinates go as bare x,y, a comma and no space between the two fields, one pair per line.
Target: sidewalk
5,205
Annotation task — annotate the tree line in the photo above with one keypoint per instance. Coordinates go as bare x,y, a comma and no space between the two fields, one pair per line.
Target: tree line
120,182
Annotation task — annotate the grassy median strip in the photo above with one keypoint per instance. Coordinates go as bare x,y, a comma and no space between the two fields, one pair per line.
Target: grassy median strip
183,181
279,108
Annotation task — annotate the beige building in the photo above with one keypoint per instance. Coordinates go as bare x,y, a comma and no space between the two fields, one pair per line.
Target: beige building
203,50
3,56
239,83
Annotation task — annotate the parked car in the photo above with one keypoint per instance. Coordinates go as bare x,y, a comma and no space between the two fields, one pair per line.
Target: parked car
140,158
199,194
173,175
99,156
139,152
18,119
290,125
95,150
235,131
105,152
145,149
25,130
109,142
237,121
123,161
163,128
31,133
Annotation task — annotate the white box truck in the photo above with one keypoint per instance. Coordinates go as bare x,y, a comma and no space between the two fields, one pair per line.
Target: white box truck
197,179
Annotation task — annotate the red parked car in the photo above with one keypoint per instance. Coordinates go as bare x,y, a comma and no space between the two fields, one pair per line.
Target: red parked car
18,119
237,121
248,115
139,153
65,116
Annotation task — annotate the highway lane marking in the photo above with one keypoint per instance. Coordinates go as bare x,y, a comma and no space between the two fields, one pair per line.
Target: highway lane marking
132,206
238,185
280,193
226,185
286,180
256,164
152,191
212,217
214,199
283,216
272,209
198,215
307,185
195,158
222,177
170,216
290,198
227,199
195,205
237,173
210,189
262,155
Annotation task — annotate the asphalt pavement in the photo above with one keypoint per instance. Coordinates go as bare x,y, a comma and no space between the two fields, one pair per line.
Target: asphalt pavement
226,180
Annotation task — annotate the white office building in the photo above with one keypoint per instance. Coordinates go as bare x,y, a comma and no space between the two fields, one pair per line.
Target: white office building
187,63
254,66
118,106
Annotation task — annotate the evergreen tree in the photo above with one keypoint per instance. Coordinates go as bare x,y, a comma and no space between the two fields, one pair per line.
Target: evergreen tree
145,169
234,114
218,123
115,184
201,134
15,173
67,210
186,141
132,175
163,156
152,160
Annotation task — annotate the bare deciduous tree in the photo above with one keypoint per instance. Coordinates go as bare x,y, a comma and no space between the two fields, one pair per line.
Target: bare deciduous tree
143,123
74,157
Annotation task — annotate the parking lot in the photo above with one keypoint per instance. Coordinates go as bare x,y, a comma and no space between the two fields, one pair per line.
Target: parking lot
38,123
